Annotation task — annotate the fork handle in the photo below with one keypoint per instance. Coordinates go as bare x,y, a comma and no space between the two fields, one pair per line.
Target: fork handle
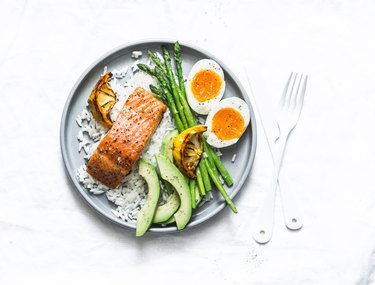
292,215
291,212
263,229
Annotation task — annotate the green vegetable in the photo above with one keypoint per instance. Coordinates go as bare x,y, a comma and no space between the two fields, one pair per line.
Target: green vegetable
200,183
165,94
188,113
159,93
170,102
207,148
184,110
175,97
169,221
167,150
198,197
221,189
170,173
146,214
205,177
192,185
157,61
172,82
146,69
167,145
217,162
165,211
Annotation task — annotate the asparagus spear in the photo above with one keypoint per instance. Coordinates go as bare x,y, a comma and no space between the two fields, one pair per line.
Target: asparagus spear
216,162
175,90
146,69
221,189
157,61
158,93
209,158
189,115
168,95
151,72
205,176
192,184
200,183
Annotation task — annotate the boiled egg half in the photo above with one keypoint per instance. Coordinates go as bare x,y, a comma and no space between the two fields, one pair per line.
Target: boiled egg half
205,86
226,122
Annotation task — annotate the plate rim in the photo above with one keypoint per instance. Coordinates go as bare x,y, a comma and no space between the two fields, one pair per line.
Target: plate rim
67,105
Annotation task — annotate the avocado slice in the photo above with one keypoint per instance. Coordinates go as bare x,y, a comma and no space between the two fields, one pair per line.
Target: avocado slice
171,220
165,211
167,150
167,145
146,214
170,172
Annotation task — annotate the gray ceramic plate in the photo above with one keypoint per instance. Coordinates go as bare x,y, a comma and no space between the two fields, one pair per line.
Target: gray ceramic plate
117,58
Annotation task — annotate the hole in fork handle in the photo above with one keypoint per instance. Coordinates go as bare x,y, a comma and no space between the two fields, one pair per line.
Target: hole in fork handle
294,224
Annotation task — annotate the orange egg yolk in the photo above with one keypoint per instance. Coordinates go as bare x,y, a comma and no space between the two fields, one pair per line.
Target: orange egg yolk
206,85
228,124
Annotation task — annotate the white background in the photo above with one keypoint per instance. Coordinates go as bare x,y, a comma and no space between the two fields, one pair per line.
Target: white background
49,234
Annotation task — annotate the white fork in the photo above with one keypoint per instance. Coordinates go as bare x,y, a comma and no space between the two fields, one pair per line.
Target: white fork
289,112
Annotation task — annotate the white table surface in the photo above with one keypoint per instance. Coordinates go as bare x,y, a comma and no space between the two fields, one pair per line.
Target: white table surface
48,233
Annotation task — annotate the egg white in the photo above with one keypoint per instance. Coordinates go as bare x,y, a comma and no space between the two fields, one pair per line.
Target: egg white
204,108
234,103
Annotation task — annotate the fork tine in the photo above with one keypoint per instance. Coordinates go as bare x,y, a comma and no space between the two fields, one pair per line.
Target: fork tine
302,95
283,96
296,93
290,93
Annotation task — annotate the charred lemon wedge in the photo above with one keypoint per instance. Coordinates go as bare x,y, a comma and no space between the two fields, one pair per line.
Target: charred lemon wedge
102,99
188,149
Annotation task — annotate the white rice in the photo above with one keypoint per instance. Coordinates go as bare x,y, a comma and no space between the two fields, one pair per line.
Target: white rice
136,54
130,196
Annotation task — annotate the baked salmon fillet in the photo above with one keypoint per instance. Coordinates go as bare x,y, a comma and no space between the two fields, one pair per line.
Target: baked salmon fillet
124,142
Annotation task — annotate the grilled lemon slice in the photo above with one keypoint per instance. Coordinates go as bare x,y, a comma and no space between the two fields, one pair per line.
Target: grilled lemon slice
188,149
101,100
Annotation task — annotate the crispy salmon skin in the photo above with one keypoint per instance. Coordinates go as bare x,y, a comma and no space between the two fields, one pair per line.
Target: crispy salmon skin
124,142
